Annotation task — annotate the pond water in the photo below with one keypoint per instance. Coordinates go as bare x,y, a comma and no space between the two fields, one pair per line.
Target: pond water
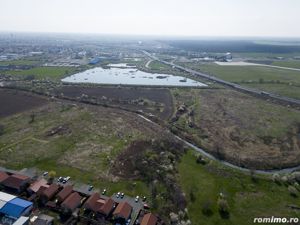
129,76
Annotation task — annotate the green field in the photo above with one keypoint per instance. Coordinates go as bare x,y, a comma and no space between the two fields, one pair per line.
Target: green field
20,62
54,73
291,64
247,198
279,81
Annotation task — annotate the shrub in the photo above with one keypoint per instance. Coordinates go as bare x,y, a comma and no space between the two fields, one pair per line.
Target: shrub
207,208
293,191
223,205
276,178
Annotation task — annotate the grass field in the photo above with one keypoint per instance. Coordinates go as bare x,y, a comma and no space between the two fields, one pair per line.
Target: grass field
20,62
54,73
292,64
279,81
76,141
242,129
247,198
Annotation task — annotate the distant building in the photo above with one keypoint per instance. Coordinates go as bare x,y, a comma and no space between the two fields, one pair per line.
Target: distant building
122,212
49,193
16,183
94,61
42,219
3,176
149,219
37,185
13,207
107,208
71,203
64,193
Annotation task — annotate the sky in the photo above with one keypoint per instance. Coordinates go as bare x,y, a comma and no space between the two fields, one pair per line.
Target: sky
245,18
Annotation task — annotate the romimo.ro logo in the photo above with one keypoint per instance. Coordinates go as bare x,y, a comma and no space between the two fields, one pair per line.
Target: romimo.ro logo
276,220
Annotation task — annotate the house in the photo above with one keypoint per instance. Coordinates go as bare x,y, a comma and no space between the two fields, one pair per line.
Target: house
107,208
37,185
49,193
149,219
92,203
64,193
23,220
42,219
123,211
13,207
3,176
71,203
16,183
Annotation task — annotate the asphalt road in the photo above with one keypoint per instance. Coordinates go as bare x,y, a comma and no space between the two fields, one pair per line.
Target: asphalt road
263,94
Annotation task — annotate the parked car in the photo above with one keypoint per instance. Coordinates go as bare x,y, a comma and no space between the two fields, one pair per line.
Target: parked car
122,195
45,173
90,187
104,191
137,198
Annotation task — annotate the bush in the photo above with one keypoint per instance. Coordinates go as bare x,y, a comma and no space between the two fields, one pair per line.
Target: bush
293,191
223,205
276,178
207,208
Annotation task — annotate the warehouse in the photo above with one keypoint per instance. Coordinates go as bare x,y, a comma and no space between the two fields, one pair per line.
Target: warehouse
13,207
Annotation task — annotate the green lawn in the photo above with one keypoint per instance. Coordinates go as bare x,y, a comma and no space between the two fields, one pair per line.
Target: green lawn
247,198
44,72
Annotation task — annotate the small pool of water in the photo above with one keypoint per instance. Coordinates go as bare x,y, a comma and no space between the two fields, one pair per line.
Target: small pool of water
130,76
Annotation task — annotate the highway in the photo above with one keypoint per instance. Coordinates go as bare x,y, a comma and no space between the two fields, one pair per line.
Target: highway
262,94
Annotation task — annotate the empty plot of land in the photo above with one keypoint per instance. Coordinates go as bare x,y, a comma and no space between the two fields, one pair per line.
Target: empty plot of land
12,102
157,101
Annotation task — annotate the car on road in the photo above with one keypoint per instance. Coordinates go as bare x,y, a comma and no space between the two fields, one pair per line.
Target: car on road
137,198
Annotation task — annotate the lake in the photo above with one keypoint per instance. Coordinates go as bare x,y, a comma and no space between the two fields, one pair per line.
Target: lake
122,74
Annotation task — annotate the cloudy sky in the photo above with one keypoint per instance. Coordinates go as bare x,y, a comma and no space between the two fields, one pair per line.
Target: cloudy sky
157,17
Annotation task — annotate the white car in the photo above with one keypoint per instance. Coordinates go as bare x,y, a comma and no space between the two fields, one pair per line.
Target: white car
137,198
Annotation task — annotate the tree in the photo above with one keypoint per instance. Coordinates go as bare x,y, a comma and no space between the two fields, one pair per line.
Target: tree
51,175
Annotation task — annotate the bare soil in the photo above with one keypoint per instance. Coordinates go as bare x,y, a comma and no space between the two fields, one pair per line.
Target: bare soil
12,102
157,101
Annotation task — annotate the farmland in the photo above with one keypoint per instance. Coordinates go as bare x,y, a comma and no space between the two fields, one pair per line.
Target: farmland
279,81
157,101
15,102
53,73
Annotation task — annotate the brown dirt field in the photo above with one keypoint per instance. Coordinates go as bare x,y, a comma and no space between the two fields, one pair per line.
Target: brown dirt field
126,97
12,102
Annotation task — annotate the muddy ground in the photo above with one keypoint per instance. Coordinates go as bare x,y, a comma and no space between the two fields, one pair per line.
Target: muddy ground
157,101
12,102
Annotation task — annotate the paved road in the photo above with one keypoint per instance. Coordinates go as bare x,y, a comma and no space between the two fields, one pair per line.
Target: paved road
267,95
148,63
